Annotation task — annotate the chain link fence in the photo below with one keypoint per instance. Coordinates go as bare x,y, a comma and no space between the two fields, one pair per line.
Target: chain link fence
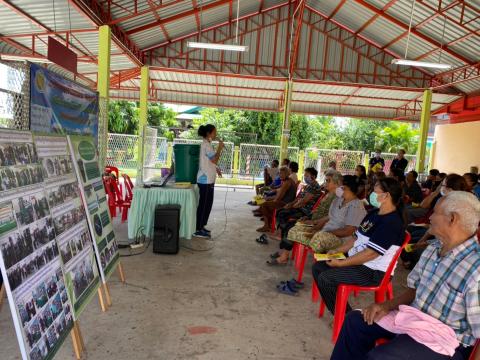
122,151
346,160
253,158
388,157
15,95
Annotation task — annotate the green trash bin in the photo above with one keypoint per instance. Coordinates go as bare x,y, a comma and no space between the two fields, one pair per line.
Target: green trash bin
187,158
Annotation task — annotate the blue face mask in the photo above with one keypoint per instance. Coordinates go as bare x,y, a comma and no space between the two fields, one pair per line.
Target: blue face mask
374,200
307,179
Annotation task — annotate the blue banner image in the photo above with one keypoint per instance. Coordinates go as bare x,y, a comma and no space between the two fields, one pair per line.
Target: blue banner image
58,105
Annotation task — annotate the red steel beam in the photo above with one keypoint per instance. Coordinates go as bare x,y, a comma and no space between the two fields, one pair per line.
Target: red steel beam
337,9
136,13
40,25
177,17
375,17
197,18
96,14
162,26
298,19
330,34
417,33
24,14
196,33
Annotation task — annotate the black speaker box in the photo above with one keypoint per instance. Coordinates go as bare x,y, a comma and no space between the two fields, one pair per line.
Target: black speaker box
166,229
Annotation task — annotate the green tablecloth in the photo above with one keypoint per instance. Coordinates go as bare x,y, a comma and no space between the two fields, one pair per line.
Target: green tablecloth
142,210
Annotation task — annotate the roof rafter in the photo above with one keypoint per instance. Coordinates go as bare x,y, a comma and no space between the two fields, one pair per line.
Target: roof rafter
417,33
177,17
96,14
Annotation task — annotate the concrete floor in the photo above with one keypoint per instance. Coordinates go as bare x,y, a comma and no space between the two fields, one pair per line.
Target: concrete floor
217,304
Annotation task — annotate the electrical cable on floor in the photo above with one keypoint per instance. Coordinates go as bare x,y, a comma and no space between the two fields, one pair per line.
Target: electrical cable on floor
217,236
139,237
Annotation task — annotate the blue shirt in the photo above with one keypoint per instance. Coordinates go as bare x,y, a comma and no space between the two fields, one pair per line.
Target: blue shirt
476,190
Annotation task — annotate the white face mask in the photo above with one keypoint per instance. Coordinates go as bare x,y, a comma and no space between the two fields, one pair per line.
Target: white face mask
339,192
443,192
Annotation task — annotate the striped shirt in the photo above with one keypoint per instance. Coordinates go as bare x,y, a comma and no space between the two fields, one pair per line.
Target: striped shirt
447,287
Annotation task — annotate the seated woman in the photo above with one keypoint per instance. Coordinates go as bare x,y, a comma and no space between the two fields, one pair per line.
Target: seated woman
293,166
302,231
301,207
285,194
378,237
361,176
421,234
344,216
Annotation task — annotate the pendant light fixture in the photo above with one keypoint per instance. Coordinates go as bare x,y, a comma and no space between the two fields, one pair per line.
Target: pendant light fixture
215,46
407,62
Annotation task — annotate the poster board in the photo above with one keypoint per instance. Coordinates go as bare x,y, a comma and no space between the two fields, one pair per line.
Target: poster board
62,106
29,257
69,219
86,161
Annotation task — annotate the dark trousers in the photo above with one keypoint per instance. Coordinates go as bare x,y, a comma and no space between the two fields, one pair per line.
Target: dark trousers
328,278
357,342
286,219
204,204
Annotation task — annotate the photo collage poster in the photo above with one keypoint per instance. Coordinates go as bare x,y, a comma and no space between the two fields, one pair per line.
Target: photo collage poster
69,220
30,260
86,158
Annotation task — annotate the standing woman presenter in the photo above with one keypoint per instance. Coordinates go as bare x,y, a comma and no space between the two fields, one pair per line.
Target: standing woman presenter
206,176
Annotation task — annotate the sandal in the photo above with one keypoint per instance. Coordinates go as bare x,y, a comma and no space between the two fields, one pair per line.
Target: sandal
293,283
262,240
287,290
274,262
263,229
275,255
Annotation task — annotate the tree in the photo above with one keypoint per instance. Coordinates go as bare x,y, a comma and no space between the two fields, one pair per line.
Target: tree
301,135
398,136
359,134
163,119
122,117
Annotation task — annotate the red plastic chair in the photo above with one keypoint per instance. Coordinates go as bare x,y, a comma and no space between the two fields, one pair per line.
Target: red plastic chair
110,169
128,187
475,355
344,290
274,218
115,193
112,204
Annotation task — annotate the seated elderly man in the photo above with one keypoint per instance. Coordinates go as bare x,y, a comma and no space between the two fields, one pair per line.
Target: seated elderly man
438,317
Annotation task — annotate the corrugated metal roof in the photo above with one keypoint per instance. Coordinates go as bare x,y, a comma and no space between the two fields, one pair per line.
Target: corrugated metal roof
265,66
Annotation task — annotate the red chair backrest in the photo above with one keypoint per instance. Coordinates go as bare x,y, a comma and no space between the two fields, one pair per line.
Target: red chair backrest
107,183
393,263
476,349
116,189
128,180
128,186
113,169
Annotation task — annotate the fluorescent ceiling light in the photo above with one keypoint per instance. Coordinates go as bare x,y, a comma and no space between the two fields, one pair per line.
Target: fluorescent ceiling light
34,59
200,45
420,64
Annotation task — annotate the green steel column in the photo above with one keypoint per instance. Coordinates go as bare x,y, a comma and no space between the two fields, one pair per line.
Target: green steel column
424,126
286,120
142,121
103,87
